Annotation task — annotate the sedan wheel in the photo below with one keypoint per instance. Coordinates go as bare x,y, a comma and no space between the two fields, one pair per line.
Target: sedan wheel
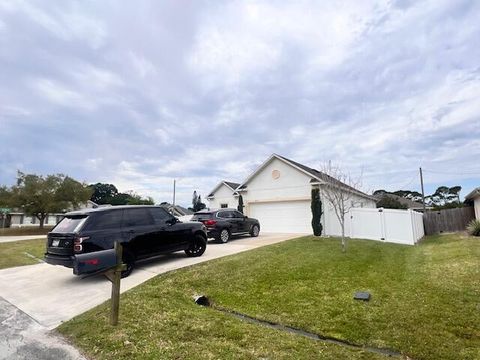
197,247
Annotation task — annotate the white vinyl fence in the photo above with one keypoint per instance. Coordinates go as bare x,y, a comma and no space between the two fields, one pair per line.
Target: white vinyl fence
389,225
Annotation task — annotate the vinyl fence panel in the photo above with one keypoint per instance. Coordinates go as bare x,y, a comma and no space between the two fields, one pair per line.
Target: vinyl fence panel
389,225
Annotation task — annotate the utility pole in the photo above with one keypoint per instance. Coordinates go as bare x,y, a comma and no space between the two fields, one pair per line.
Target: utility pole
174,181
423,192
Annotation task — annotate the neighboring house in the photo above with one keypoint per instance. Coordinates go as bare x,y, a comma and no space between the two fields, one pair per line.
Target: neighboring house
222,195
20,219
474,197
413,205
278,194
176,210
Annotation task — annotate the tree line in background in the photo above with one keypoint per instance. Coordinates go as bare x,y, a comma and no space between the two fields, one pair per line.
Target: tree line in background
443,198
42,195
103,194
39,196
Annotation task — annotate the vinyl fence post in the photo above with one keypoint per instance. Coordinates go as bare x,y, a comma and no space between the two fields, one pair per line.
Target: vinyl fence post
115,303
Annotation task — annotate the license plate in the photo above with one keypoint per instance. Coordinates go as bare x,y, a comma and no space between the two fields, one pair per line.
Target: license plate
55,242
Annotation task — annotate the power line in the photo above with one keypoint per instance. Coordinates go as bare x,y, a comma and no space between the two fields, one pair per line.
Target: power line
451,173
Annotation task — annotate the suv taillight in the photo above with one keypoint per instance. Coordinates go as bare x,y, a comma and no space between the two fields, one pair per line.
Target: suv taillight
209,222
77,244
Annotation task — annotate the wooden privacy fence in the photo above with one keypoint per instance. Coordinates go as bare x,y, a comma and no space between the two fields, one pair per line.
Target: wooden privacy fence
448,220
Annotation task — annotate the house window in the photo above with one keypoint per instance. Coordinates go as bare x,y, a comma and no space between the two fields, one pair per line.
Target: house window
224,206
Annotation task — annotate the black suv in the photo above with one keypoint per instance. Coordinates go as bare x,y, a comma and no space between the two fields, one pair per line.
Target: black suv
144,231
223,223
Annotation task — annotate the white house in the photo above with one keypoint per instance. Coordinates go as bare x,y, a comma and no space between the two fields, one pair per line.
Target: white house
474,196
222,196
278,194
20,219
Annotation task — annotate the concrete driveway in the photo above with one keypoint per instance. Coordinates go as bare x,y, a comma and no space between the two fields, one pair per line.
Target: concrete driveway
21,237
51,295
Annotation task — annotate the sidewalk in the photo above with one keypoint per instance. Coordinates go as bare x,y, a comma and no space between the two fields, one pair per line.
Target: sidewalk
22,338
23,237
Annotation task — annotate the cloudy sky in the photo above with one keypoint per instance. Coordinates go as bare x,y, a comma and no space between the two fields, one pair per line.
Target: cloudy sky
139,93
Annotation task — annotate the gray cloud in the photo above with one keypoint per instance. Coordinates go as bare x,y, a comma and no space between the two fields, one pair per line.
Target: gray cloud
140,93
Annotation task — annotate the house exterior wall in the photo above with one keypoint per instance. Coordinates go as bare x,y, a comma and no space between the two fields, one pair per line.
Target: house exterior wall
223,195
292,184
476,205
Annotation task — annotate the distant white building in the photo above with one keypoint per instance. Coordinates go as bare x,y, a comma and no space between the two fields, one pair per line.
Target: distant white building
20,219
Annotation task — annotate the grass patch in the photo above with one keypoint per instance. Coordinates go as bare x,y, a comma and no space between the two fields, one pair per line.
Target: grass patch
13,253
425,304
25,231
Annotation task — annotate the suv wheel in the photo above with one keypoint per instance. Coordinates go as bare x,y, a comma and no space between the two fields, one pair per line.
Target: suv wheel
255,231
224,236
197,247
129,260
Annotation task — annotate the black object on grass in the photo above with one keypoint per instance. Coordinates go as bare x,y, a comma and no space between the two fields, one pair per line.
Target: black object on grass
201,300
362,295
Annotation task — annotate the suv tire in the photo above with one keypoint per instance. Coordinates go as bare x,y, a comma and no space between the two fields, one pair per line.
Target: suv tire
255,231
223,236
129,261
197,247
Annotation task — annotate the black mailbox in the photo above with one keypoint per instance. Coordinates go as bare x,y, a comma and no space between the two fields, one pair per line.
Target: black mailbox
94,262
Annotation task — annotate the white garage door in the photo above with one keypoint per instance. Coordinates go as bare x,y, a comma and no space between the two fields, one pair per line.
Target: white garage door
283,217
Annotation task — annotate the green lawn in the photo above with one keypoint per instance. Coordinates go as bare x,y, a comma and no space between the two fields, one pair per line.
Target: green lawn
15,253
425,304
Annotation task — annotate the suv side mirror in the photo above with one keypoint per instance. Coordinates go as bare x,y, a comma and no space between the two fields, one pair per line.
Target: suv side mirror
172,220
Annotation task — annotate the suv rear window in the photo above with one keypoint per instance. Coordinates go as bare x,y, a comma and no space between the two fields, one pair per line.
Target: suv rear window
70,224
202,216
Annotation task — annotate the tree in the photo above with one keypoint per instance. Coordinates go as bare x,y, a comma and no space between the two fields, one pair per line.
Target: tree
197,202
199,205
135,199
42,195
407,194
389,202
316,207
339,189
240,204
5,195
444,197
103,193
194,200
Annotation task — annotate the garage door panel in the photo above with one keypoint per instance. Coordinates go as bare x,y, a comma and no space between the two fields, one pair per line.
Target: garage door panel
283,216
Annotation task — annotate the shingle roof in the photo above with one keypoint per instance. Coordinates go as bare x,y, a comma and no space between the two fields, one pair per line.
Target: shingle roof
320,175
228,183
232,184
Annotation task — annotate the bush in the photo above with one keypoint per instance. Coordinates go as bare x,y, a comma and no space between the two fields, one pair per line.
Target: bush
473,228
